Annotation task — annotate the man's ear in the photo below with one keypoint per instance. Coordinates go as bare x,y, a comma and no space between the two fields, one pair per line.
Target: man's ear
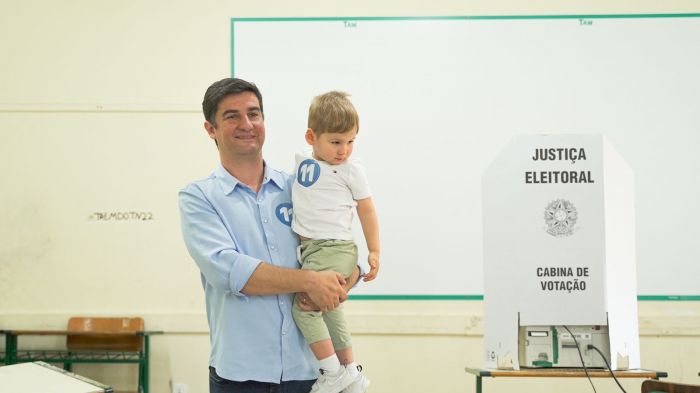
210,129
310,137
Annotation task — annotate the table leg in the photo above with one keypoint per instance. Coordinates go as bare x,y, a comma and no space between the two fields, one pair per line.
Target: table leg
10,348
146,364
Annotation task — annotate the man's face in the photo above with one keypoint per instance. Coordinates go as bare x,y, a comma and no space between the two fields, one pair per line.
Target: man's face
240,128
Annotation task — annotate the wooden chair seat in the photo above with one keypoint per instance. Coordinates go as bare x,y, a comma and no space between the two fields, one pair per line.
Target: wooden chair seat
653,386
98,340
111,341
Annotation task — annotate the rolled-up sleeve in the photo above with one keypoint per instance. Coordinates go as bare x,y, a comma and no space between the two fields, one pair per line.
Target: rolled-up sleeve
212,245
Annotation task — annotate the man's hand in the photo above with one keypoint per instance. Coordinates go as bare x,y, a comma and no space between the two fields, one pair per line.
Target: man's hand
304,301
326,290
373,260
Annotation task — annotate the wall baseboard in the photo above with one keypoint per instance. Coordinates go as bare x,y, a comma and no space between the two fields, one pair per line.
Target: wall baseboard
389,318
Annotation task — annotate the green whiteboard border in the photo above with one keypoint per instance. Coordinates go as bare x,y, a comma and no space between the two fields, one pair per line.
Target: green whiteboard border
655,298
474,17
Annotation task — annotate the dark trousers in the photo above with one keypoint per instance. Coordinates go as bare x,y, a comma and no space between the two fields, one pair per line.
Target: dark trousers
221,385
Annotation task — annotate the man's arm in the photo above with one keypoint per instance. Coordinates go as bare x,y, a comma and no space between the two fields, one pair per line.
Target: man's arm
324,288
370,227
218,259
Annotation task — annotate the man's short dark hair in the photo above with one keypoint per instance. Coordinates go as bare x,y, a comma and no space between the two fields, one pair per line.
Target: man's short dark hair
223,88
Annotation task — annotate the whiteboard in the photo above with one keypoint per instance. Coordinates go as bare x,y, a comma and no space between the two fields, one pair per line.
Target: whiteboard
438,98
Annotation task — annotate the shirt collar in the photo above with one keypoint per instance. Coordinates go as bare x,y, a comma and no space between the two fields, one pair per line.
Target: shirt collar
229,182
275,176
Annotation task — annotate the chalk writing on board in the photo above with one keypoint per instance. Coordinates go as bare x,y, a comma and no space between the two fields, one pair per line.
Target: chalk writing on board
121,216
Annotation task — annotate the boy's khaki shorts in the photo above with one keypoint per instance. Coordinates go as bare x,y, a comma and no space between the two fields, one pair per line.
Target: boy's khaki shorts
320,255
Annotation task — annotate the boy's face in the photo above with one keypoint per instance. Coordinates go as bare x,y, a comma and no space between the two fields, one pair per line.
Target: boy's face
332,147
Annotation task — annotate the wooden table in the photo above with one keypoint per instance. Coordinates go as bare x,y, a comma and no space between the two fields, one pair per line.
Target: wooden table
40,377
14,355
559,373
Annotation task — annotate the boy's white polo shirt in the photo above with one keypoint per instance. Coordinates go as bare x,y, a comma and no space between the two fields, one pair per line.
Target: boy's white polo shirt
324,196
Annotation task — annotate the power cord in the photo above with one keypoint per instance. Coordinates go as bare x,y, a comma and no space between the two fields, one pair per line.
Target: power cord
585,369
591,346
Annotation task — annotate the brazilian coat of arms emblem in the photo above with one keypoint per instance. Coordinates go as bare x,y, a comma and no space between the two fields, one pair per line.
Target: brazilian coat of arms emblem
560,218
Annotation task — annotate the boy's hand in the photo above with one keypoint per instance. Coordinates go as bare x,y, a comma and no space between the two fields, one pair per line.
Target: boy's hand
373,260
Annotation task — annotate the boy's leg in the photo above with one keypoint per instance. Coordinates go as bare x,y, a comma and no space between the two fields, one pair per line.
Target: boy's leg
336,255
334,376
318,256
342,341
342,254
345,356
311,325
340,334
322,349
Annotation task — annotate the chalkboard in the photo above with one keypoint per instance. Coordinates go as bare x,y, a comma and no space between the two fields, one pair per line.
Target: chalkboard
439,97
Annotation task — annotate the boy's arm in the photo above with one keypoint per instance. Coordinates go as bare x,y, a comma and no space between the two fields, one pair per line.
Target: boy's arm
370,227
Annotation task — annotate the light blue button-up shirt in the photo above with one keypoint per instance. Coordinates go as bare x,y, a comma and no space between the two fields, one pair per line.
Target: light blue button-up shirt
229,229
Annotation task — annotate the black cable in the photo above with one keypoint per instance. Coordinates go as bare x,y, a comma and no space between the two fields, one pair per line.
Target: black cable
585,369
591,346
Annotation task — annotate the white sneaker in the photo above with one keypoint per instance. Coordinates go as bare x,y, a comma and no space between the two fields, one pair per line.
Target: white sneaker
332,383
359,385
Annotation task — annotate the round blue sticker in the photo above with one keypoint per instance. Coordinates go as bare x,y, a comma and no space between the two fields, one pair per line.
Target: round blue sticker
284,213
309,171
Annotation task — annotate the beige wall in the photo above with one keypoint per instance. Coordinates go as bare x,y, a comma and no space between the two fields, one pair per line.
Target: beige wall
91,90
406,346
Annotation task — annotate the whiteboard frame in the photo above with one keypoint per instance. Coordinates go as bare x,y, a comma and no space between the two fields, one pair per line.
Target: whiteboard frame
472,297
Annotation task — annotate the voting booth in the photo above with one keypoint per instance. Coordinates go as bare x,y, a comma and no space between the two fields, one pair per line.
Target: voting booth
559,255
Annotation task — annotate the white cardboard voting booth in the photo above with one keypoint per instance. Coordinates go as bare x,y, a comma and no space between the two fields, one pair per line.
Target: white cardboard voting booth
559,248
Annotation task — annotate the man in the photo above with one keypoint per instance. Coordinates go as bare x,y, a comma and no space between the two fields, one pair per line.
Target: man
237,227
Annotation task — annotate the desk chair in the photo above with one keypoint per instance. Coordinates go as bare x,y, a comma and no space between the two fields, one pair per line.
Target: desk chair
129,343
653,386
98,340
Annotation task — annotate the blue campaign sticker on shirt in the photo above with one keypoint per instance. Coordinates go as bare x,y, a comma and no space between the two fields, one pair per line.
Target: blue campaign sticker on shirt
309,171
284,213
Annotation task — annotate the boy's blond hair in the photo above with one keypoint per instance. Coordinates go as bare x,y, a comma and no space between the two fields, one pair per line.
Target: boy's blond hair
333,112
